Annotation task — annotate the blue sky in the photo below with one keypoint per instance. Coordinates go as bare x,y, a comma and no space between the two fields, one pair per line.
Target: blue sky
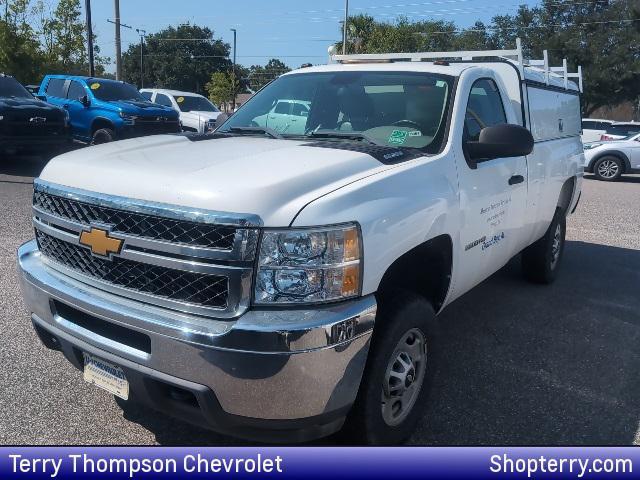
294,31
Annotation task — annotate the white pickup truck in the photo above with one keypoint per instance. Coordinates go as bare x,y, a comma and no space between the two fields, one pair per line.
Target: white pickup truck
279,286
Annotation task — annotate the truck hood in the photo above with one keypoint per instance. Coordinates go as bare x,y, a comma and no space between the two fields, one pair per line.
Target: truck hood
139,107
271,178
25,107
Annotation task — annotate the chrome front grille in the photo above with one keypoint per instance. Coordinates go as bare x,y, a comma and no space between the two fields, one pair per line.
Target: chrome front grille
141,225
194,261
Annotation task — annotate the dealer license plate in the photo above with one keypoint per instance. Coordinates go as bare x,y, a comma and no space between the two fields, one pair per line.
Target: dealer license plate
106,375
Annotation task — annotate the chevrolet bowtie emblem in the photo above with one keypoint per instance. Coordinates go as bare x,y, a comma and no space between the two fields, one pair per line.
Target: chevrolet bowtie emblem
100,242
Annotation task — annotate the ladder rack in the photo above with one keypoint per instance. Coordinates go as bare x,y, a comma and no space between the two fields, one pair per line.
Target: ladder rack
563,71
515,56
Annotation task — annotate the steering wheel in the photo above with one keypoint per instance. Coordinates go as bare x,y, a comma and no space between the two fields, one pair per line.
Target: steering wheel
407,123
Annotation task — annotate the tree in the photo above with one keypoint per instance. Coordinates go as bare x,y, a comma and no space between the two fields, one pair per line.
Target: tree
181,58
221,88
259,76
601,35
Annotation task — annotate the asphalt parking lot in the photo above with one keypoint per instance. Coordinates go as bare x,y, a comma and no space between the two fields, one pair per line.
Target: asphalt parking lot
524,364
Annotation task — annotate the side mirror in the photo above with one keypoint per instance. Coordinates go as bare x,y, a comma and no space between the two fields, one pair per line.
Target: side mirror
84,100
499,141
41,97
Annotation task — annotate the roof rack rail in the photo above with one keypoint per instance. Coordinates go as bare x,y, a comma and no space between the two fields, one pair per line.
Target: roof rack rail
514,56
563,71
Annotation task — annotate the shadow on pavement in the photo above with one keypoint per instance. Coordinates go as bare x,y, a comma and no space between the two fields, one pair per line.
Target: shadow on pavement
622,179
21,166
524,364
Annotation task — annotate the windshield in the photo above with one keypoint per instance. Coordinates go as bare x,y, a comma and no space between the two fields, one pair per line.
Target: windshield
10,87
401,109
625,130
110,91
195,104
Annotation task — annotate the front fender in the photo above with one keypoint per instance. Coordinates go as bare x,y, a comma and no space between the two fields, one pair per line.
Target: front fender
397,209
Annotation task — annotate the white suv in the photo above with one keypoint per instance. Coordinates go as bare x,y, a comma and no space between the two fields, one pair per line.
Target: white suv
197,113
593,128
279,284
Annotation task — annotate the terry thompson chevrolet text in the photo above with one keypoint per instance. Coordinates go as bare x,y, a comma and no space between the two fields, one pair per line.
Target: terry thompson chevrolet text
280,279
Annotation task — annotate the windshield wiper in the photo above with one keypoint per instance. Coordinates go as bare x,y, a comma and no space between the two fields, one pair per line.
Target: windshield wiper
264,130
345,135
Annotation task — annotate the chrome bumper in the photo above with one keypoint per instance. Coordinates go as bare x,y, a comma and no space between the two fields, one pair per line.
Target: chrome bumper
267,364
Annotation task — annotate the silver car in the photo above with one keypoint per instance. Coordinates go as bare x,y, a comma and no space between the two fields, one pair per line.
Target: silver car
608,160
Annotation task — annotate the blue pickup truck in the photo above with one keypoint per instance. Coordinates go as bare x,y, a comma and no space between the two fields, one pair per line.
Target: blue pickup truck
102,110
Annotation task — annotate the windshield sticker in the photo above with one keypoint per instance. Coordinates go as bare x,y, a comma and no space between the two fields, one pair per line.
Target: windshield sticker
398,137
415,133
180,99
95,86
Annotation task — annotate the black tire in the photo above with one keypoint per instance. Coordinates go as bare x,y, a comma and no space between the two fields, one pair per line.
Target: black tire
103,135
541,261
608,168
400,315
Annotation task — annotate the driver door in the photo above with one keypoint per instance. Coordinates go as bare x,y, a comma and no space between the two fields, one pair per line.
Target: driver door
492,195
79,115
278,118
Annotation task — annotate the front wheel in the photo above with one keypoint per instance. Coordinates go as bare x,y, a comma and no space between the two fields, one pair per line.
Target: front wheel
400,370
541,260
608,169
103,135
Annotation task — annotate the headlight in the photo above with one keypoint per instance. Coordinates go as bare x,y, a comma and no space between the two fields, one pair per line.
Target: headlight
309,265
128,119
1,118
589,146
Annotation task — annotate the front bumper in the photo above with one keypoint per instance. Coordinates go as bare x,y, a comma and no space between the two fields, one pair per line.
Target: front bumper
34,143
288,375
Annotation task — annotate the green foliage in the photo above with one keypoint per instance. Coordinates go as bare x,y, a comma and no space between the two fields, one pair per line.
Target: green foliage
182,58
259,76
57,44
601,35
221,88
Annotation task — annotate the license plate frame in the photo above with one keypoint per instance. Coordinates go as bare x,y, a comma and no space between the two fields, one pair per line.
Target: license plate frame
105,375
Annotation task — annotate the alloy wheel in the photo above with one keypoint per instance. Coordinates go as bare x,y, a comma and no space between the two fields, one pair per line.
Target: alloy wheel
608,169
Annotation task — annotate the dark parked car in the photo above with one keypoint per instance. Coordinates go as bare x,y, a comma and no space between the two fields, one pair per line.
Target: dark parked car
29,124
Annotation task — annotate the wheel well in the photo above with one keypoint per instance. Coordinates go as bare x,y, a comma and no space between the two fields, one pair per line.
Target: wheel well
566,194
100,123
425,270
619,155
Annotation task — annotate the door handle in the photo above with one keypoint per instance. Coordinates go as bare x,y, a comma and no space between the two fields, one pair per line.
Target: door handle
516,179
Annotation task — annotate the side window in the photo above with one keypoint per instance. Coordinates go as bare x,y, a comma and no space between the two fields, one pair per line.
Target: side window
590,125
484,108
55,87
147,95
76,91
299,110
163,100
283,108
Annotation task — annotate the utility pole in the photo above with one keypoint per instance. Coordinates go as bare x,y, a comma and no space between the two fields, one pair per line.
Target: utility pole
142,33
234,69
119,24
344,27
118,41
92,67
